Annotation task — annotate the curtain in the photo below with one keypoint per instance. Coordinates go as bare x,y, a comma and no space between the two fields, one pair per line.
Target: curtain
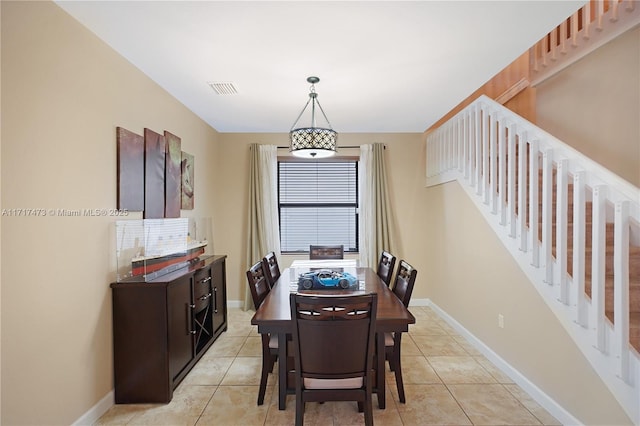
375,219
263,228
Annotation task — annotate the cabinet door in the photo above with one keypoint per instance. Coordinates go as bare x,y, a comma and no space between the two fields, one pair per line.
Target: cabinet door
218,277
180,308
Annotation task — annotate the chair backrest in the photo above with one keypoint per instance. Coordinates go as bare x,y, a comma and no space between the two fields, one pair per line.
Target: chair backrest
326,252
403,284
258,284
270,264
385,267
333,337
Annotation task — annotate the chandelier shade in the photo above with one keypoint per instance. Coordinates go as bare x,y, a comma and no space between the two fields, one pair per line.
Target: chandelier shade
313,142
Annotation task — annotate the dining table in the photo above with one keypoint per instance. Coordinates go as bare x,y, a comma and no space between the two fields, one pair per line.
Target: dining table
274,315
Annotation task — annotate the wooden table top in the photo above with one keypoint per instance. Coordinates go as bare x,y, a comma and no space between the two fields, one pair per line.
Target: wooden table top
274,315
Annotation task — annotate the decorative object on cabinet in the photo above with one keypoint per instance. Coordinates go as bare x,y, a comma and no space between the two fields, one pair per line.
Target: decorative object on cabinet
172,176
187,181
154,157
130,147
162,327
149,248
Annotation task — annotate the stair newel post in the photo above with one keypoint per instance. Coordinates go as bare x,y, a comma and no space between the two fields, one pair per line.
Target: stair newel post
522,190
598,271
621,287
502,179
561,228
578,269
534,190
484,184
477,180
511,179
547,205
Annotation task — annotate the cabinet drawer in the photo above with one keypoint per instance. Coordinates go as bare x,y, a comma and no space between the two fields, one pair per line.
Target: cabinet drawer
201,289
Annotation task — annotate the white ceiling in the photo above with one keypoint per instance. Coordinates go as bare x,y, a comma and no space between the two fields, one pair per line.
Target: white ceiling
384,66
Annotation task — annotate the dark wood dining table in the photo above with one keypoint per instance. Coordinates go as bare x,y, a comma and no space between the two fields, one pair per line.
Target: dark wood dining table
274,316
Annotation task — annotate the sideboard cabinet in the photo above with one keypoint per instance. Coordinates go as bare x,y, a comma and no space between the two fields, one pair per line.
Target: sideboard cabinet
161,328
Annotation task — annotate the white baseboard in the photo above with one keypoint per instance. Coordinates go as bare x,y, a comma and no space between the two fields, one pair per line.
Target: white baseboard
549,404
235,304
95,412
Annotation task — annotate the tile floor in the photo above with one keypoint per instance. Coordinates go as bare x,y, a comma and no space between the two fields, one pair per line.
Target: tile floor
447,382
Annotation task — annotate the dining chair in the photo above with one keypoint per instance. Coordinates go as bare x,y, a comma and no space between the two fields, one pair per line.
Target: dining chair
270,264
333,347
385,267
402,288
326,252
260,288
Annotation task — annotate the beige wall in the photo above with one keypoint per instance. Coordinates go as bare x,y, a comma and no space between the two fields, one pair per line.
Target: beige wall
63,94
473,278
594,105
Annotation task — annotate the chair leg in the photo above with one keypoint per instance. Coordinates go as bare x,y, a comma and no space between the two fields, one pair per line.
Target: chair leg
397,368
267,367
368,409
299,409
264,376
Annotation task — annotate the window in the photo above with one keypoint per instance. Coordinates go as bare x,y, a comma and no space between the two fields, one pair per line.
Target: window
318,204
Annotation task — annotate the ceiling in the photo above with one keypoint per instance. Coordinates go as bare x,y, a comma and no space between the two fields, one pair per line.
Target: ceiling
384,66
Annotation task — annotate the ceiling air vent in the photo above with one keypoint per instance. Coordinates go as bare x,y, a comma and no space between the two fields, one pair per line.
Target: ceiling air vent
223,88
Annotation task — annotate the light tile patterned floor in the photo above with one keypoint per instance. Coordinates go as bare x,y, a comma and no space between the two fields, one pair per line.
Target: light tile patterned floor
447,382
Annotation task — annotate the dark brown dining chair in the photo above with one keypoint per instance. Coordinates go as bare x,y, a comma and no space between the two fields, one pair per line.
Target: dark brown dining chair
270,264
385,267
259,287
402,288
326,252
333,348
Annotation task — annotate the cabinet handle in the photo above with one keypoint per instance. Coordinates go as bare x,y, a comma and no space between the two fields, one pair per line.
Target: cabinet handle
206,280
215,300
190,307
205,297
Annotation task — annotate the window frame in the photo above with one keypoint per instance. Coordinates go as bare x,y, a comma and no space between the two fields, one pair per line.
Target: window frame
341,159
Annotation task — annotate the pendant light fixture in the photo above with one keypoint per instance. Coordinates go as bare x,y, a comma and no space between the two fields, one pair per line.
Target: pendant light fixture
313,142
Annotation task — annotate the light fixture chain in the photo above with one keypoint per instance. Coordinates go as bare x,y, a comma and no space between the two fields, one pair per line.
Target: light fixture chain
323,114
301,112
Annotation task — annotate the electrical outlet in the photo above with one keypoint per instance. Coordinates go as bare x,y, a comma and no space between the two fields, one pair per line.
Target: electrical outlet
500,320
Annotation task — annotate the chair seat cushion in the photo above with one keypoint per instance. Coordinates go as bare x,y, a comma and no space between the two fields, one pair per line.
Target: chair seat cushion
273,341
388,339
352,383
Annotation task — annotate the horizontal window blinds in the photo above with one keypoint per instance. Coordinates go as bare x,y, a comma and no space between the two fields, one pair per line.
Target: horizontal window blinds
318,204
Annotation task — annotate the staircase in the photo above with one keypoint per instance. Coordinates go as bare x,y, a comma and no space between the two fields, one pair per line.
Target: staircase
572,226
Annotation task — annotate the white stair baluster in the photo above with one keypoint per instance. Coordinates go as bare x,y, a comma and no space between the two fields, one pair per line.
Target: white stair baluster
578,272
621,288
598,250
561,229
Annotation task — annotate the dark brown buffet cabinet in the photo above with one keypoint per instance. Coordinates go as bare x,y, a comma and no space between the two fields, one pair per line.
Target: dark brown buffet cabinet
161,328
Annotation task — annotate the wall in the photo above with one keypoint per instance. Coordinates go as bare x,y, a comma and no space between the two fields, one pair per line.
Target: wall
405,164
594,104
473,278
64,93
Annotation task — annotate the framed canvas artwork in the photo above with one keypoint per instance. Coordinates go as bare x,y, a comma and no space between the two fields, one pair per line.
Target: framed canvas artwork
130,147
